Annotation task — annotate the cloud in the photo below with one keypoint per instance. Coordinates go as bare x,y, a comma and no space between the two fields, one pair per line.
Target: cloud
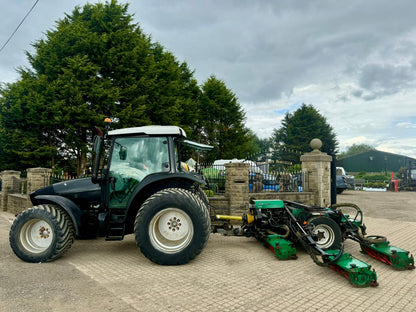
406,125
399,146
354,61
386,79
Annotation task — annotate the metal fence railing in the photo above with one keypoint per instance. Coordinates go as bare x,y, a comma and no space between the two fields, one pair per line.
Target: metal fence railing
275,181
215,177
261,178
54,178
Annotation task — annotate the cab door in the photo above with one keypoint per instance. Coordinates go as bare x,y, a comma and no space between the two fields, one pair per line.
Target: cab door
132,160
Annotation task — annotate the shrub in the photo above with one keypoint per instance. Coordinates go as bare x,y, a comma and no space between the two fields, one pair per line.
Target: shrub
375,185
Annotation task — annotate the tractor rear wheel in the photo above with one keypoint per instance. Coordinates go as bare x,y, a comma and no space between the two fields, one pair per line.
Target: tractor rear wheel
328,233
172,226
203,196
42,233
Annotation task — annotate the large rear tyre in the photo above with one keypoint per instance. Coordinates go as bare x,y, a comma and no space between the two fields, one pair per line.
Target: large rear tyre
199,192
328,233
42,233
172,226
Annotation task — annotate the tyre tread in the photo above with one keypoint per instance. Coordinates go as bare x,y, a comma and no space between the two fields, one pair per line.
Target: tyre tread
177,196
63,230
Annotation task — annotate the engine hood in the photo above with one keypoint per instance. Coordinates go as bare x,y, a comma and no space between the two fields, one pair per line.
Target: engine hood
82,189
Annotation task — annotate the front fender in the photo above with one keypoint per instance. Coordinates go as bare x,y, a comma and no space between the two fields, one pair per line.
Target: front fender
166,179
69,206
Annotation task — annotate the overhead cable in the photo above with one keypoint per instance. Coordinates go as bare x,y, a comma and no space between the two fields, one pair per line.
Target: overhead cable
18,26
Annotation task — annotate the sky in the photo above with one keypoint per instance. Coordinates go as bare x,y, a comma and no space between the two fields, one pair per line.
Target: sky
354,61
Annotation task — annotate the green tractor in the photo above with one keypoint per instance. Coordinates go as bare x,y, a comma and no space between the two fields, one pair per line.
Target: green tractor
143,188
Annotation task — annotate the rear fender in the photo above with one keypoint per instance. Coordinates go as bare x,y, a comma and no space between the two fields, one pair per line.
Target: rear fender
69,206
155,183
164,180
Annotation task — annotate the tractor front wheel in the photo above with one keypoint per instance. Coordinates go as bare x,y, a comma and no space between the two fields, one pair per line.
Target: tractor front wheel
328,233
41,233
172,226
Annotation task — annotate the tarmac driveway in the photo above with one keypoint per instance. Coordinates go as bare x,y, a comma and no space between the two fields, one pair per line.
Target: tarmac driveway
232,273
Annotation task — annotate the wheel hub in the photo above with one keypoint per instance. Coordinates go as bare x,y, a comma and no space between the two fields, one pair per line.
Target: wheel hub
321,235
44,232
171,230
325,235
174,224
36,235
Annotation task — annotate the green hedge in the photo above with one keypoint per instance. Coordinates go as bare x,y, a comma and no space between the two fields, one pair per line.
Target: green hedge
375,185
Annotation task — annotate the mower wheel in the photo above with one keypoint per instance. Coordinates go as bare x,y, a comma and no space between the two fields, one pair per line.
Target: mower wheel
42,233
172,226
327,231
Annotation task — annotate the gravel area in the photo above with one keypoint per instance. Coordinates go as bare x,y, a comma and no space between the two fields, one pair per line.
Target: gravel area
232,273
386,205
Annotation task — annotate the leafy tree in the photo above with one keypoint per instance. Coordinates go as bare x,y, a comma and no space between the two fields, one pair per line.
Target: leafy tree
265,144
356,149
27,135
221,122
298,128
95,63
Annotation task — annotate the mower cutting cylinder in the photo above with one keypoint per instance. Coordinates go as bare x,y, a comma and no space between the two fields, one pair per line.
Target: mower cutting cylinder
394,256
282,248
356,271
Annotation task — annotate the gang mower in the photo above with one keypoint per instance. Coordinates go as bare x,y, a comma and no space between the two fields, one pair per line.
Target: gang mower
281,225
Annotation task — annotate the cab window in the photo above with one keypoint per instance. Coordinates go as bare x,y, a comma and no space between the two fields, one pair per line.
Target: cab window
132,160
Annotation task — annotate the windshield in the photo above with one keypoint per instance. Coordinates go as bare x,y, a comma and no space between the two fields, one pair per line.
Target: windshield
133,159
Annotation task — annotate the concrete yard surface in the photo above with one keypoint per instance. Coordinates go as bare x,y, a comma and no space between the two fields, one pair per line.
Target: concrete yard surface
231,274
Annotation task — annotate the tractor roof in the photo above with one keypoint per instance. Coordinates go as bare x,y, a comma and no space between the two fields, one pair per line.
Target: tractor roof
149,130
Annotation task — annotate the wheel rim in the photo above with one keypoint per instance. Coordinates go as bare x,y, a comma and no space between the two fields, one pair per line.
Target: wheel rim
171,230
36,235
325,234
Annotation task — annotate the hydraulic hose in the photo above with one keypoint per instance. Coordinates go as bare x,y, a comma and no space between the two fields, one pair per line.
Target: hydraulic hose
283,226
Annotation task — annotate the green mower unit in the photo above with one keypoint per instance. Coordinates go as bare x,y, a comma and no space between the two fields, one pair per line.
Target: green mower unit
356,271
394,256
320,231
283,248
375,246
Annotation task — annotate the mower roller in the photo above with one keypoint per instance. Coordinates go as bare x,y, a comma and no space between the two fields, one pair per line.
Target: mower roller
280,225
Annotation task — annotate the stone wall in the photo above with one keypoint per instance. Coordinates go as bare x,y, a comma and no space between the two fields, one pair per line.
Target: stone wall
10,184
301,197
11,198
16,203
316,186
220,205
237,195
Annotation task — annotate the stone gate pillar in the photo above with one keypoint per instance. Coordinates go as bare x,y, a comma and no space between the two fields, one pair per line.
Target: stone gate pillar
316,173
237,186
10,184
37,178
